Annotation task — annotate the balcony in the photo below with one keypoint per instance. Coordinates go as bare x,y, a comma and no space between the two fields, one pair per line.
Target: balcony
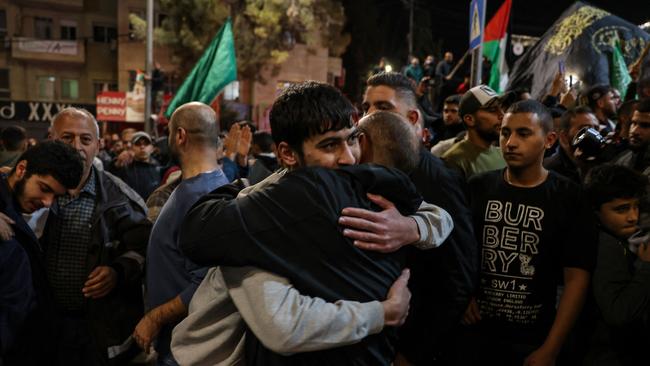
48,50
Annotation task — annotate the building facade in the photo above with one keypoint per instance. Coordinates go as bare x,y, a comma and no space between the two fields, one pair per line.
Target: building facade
59,53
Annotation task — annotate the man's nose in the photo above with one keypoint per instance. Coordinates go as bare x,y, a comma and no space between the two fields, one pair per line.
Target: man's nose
346,157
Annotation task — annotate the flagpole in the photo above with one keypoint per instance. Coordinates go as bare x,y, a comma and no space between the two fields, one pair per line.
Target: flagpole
148,68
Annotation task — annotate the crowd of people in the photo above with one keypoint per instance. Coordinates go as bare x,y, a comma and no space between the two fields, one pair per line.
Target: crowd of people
504,231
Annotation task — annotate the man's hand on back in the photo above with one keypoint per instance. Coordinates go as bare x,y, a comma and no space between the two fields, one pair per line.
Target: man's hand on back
385,231
396,305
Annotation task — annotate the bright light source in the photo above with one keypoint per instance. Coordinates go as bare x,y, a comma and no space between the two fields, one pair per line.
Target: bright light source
388,68
571,79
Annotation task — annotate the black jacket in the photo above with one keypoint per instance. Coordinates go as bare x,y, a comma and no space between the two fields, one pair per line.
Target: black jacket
143,177
442,280
31,343
120,233
291,228
563,165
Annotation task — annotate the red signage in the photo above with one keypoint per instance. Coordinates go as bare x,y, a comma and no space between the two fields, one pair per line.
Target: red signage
111,106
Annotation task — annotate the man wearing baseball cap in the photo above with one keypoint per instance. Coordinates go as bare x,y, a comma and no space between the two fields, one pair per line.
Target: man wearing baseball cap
143,173
481,112
601,100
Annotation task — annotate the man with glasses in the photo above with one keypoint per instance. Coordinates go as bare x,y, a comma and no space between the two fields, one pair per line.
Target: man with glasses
480,111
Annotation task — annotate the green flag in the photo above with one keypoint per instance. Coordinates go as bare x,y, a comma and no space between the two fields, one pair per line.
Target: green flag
619,77
216,68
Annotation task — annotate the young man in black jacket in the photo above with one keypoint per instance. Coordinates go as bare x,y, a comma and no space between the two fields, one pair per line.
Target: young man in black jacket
26,320
312,253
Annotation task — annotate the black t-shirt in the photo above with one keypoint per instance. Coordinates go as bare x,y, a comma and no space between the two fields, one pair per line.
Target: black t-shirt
527,236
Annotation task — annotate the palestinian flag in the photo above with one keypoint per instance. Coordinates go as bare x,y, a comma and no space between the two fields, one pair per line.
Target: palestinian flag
494,47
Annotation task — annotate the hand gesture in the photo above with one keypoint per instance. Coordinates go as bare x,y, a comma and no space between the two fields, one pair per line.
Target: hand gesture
384,231
396,306
101,282
146,331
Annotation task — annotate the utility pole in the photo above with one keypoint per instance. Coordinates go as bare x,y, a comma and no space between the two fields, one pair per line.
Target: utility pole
148,69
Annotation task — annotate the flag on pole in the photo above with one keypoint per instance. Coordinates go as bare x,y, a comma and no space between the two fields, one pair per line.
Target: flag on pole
216,68
494,47
619,76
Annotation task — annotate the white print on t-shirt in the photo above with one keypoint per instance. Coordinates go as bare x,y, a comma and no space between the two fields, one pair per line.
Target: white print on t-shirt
511,233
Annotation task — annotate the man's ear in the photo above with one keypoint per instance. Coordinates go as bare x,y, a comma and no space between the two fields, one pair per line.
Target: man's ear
550,139
287,155
181,136
468,119
21,169
413,116
366,148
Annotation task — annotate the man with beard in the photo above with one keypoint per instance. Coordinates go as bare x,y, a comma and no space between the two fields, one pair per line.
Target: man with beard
563,161
637,157
602,102
42,173
480,111
171,278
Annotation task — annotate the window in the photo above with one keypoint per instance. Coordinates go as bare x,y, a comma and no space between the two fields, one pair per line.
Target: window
68,30
104,34
231,91
101,86
43,28
70,89
4,84
46,87
3,23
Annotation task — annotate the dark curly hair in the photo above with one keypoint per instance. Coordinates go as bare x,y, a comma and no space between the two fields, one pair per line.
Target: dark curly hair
307,109
608,182
54,158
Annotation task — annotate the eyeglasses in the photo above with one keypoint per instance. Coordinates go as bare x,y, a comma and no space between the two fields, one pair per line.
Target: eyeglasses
142,142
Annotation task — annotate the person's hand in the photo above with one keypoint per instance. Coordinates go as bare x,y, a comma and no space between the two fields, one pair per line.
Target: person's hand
635,70
101,282
146,331
5,169
540,357
558,86
472,314
125,158
644,252
6,232
245,139
384,231
569,98
397,303
231,142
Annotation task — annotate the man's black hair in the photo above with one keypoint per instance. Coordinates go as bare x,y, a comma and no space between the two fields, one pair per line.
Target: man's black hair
533,106
596,92
565,119
608,182
264,141
307,109
54,158
643,106
402,85
453,99
13,138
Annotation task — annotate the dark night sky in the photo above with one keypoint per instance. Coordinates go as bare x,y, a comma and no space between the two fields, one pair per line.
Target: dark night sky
380,27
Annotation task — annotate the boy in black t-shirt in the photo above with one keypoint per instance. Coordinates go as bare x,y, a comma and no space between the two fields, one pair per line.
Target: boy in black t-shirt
533,229
621,283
